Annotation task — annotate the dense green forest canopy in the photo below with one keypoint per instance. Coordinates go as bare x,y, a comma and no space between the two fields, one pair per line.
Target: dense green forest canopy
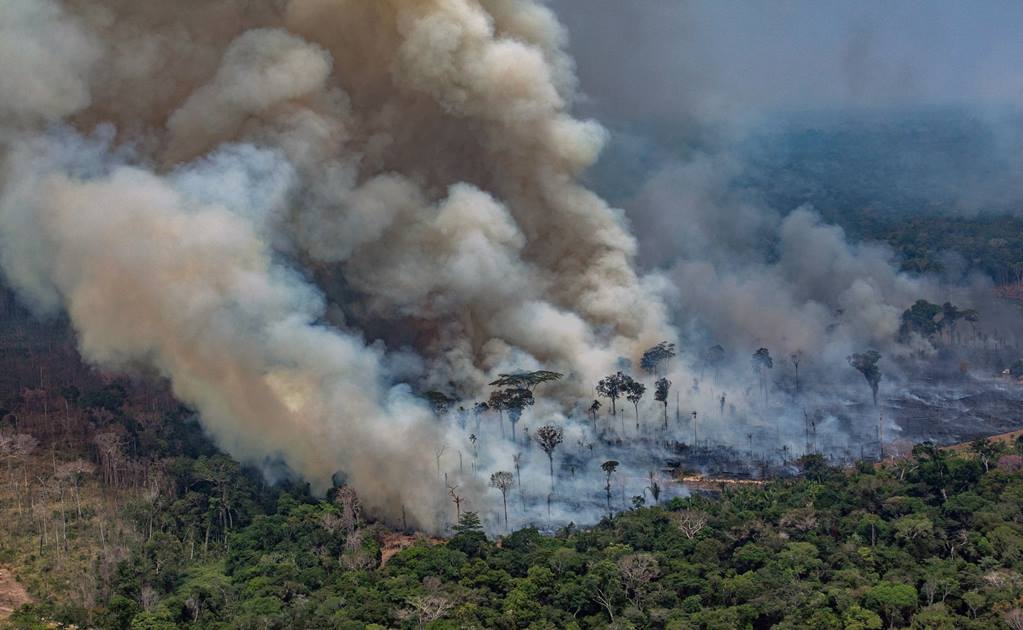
931,541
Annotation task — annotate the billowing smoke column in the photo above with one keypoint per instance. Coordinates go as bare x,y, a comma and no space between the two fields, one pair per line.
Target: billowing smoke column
289,206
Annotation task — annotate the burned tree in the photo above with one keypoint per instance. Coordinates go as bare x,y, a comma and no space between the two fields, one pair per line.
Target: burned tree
457,500
866,364
661,389
517,460
634,393
503,481
654,358
609,467
549,437
762,362
796,358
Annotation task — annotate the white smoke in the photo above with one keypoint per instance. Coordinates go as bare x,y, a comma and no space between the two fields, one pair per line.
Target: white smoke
203,187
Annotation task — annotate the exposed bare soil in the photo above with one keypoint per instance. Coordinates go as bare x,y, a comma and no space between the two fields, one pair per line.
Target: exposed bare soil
12,594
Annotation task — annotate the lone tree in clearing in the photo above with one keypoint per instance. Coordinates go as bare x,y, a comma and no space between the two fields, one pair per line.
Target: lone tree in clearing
503,481
661,388
609,467
654,358
866,364
549,437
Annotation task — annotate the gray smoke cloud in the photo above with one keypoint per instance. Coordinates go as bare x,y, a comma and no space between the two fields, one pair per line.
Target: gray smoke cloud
289,206
703,77
697,89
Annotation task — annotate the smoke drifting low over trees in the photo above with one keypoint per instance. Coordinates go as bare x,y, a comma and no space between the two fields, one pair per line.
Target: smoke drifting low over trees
297,210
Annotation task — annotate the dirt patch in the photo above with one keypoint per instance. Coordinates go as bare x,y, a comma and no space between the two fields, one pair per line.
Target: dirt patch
394,543
12,594
1008,439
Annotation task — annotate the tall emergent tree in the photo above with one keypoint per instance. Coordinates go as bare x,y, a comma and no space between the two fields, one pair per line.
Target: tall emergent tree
866,364
653,360
796,358
594,408
526,380
661,388
439,402
503,481
477,409
762,362
921,318
634,392
497,401
609,467
549,437
515,401
612,387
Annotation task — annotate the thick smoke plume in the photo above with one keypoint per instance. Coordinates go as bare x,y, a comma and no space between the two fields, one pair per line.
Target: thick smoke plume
289,206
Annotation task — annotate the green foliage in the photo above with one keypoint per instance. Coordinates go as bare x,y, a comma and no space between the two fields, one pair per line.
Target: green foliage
921,318
934,542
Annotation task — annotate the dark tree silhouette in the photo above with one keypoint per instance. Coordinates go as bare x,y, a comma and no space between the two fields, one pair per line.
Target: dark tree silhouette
609,467
594,408
439,402
654,358
713,357
762,362
661,389
866,364
796,358
477,409
503,481
549,437
654,488
526,380
921,318
516,401
634,392
497,402
613,387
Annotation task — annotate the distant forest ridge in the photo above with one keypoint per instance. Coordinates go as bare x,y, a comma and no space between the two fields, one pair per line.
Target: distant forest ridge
942,186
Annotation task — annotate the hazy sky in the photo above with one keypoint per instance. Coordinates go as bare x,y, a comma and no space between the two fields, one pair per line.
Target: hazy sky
669,59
